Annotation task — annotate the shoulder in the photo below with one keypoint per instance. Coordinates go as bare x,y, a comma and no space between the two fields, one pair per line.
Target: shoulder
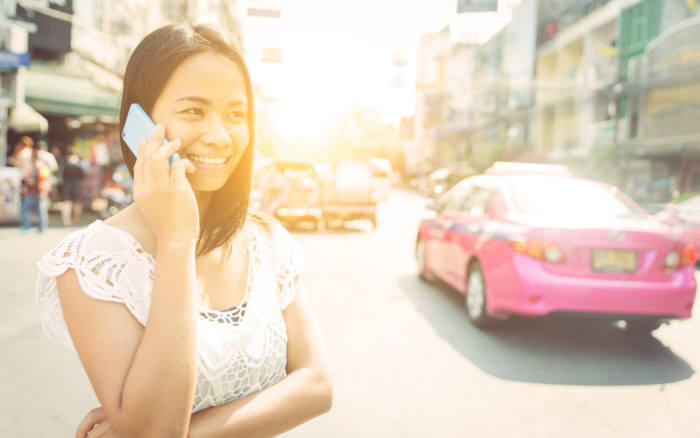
79,244
271,234
108,265
99,249
130,222
93,252
276,244
280,252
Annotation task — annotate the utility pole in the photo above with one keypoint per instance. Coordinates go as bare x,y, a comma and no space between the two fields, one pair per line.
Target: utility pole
617,92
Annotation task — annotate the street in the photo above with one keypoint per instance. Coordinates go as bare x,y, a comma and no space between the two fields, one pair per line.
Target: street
406,361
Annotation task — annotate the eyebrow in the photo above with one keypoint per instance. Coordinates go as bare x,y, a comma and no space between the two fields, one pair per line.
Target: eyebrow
235,102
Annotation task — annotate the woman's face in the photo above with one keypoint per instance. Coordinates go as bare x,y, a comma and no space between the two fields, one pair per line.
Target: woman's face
204,104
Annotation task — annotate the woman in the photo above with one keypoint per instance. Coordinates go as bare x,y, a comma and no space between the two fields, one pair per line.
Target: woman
188,314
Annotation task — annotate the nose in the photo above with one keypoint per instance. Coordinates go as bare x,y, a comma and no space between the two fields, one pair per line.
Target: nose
216,133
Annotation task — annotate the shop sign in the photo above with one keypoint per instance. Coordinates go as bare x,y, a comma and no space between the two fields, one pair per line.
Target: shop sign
13,60
54,33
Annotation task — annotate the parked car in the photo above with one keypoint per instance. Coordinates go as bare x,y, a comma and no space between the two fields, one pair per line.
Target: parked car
536,245
685,217
352,195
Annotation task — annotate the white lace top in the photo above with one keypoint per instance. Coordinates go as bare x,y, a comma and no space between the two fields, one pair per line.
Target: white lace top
239,351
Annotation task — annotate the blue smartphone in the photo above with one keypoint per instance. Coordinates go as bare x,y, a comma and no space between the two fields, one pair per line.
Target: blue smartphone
138,126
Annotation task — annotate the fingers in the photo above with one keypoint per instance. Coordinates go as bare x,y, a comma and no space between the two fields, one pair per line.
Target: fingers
154,142
179,170
167,149
93,417
104,429
153,162
158,165
138,169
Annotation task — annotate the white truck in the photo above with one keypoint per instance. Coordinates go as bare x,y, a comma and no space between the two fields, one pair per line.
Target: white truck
352,195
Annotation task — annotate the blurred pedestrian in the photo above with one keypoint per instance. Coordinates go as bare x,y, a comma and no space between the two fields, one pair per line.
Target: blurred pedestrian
58,155
73,175
57,192
21,155
48,158
36,187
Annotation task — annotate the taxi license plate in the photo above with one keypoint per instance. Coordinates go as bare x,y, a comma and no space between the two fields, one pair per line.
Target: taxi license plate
614,261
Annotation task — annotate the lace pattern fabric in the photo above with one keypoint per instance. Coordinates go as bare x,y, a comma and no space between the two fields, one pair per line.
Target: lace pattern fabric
239,351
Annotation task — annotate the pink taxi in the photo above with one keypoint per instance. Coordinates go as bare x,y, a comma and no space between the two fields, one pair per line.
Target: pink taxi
536,245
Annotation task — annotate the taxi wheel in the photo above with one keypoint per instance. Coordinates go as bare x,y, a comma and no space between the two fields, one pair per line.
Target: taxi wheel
476,297
420,261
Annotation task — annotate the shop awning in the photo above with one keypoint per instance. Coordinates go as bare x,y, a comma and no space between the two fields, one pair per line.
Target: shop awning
23,118
52,92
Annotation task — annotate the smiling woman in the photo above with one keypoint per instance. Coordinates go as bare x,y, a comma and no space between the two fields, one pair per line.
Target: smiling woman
193,100
212,125
188,312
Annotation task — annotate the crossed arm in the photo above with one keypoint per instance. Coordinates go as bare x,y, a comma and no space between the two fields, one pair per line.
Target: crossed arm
144,377
304,393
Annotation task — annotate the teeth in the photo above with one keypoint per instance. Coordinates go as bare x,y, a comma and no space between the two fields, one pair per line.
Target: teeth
207,160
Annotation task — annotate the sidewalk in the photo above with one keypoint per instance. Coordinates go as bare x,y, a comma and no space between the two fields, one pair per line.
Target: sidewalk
45,391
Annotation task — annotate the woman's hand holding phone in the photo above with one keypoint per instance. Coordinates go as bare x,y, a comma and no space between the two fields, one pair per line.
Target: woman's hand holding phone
162,192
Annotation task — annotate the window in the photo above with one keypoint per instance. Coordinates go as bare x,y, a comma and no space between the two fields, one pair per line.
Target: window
454,199
477,203
570,199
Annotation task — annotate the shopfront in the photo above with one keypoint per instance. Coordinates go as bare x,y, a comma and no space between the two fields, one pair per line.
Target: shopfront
662,161
81,116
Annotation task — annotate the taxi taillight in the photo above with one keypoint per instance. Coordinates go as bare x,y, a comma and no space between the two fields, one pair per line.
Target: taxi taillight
538,249
688,255
680,257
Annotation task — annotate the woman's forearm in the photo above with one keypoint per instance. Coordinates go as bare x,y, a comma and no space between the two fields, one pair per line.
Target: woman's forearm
159,388
300,396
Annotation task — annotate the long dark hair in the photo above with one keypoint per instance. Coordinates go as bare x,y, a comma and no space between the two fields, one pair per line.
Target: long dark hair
151,64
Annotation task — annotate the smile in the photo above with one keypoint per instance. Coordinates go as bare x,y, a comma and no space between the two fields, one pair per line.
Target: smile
208,162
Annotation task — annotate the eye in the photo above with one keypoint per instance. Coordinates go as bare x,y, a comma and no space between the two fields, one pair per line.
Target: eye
193,112
237,116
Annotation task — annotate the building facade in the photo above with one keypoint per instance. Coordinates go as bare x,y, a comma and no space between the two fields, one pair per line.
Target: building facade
607,87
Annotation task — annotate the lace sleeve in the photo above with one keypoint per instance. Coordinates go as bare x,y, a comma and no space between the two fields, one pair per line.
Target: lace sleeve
110,266
290,263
